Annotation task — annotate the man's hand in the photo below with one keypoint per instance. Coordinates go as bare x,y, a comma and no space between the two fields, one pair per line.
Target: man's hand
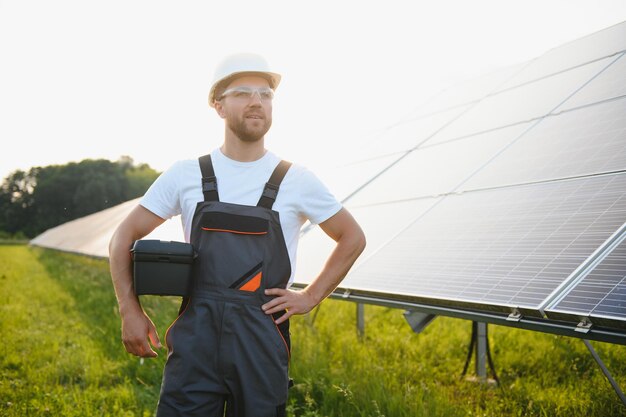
344,230
294,302
137,329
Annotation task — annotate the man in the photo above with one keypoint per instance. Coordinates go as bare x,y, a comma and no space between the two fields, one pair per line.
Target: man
242,209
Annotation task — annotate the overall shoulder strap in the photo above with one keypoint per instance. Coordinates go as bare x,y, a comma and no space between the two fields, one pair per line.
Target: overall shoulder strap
271,187
209,181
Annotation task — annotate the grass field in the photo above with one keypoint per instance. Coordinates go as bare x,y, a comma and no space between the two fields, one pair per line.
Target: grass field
61,355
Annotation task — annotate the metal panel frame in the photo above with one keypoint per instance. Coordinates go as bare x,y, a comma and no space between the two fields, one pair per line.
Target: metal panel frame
550,307
528,323
583,270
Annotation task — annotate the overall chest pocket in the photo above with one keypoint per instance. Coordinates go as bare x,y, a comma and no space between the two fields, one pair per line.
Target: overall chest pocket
232,250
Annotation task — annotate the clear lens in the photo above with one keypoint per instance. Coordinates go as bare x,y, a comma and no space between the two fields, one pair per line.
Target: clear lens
266,94
246,93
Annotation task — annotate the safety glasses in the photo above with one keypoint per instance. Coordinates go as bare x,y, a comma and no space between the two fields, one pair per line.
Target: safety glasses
246,93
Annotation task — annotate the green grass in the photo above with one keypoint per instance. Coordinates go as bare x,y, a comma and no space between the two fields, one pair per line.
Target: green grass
61,355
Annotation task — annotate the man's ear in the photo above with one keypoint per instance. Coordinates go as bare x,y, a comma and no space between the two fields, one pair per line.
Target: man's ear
219,109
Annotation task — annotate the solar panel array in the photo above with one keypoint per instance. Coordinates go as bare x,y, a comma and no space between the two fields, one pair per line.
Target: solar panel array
504,194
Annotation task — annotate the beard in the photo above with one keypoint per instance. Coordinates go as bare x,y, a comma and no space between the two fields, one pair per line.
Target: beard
250,130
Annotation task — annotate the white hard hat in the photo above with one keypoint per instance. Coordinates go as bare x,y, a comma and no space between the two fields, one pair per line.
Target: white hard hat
242,64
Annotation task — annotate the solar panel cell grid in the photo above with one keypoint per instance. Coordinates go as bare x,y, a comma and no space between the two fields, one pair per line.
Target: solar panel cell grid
609,84
434,170
508,247
596,45
602,292
405,135
579,142
380,223
472,90
520,104
345,179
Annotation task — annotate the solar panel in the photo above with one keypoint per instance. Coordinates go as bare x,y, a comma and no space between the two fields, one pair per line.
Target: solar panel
521,104
90,235
600,44
315,246
471,91
578,142
498,248
406,135
367,162
435,170
347,178
609,84
600,295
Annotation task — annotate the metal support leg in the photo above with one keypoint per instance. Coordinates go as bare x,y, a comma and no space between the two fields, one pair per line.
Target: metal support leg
480,341
606,372
481,351
360,320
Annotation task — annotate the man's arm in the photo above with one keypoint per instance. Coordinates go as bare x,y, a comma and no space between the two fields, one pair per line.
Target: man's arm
344,230
136,325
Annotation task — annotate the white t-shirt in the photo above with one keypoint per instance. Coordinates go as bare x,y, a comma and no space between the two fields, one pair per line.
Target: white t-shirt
301,197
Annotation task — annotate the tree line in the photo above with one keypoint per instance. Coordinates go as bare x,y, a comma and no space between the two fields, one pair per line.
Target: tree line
43,197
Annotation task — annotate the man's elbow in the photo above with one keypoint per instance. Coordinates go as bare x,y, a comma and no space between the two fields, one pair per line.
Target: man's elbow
359,241
362,242
114,243
121,241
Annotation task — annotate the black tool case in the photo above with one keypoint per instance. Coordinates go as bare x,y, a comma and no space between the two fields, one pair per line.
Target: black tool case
162,267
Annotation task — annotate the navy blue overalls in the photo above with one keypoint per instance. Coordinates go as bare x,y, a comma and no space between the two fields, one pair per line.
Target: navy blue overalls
225,355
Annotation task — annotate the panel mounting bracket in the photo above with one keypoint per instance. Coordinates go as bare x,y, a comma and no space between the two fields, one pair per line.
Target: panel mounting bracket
418,320
515,315
346,294
584,326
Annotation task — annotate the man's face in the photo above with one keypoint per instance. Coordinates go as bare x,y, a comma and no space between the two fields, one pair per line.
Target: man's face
249,118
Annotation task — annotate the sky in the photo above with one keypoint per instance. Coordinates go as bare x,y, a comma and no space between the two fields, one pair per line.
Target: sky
87,79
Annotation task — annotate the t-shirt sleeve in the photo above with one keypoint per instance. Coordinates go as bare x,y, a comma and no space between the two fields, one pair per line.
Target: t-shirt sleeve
162,198
318,204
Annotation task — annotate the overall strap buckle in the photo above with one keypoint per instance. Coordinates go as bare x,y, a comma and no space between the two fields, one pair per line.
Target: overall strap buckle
209,181
270,191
